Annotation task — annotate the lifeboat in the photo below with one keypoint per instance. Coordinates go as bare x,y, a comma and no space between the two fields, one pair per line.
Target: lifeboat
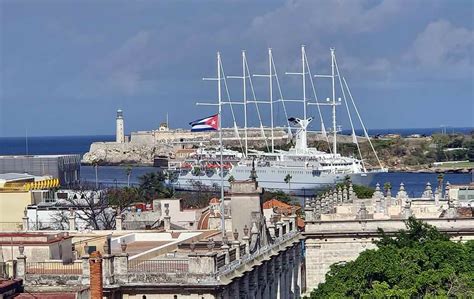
186,165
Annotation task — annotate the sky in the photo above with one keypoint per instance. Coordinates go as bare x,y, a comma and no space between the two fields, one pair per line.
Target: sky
67,66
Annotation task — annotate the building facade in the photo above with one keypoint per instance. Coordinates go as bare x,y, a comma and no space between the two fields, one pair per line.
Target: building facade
66,168
339,226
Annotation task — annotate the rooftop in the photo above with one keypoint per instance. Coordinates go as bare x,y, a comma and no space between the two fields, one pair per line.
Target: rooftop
13,177
31,238
36,156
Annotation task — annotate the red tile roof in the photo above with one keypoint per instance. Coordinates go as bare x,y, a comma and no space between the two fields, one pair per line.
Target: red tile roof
203,222
275,203
214,200
299,222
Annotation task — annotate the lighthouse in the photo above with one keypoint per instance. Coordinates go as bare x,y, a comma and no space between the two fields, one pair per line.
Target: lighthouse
120,135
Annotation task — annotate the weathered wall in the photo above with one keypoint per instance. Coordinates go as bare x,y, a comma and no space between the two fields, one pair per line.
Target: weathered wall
12,205
167,296
341,241
322,253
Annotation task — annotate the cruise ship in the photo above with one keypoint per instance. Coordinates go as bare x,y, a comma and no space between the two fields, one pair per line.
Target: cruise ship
301,170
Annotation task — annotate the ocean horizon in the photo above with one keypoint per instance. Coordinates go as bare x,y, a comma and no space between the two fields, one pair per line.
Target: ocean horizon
80,144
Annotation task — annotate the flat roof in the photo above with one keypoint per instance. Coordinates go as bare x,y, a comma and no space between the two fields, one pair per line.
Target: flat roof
134,248
12,176
37,156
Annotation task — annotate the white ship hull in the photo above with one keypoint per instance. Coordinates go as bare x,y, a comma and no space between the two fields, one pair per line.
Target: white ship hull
303,181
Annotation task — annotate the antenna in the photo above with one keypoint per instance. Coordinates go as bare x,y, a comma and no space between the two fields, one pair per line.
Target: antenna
26,141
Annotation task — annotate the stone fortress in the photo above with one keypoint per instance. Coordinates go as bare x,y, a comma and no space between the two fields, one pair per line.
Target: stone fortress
141,147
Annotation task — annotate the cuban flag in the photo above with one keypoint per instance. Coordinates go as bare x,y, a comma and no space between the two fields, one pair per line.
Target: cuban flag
210,123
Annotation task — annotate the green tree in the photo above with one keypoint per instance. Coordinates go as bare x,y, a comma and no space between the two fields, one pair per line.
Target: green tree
152,185
121,198
416,262
128,172
387,186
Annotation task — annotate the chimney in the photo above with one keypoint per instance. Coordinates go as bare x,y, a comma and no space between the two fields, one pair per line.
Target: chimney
96,285
167,218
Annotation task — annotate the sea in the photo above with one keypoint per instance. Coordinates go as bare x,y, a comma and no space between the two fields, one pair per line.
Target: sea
116,175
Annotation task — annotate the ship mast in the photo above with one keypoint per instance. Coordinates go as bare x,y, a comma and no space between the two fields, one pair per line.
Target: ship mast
270,59
334,128
244,82
304,122
270,76
303,63
219,121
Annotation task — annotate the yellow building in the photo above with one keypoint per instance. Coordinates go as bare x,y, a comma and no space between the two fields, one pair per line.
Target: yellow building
17,191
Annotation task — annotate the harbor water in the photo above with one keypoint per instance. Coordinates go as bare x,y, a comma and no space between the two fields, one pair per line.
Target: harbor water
414,182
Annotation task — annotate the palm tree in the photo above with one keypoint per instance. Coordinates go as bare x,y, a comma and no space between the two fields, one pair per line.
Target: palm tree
387,186
440,181
95,163
128,171
287,180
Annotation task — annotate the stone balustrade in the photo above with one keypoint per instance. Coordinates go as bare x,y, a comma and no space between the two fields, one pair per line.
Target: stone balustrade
219,266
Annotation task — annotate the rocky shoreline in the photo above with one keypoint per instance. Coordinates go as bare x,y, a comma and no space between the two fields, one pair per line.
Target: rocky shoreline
416,155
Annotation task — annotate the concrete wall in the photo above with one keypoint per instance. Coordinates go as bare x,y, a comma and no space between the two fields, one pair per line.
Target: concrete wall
62,250
320,254
178,216
12,205
244,205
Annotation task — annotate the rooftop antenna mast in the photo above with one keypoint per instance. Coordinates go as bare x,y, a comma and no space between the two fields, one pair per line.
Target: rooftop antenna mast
26,141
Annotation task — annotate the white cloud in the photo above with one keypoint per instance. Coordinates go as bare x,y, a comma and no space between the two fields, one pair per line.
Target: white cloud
443,45
322,24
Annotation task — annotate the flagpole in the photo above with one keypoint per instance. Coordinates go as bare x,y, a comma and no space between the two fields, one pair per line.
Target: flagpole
219,121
